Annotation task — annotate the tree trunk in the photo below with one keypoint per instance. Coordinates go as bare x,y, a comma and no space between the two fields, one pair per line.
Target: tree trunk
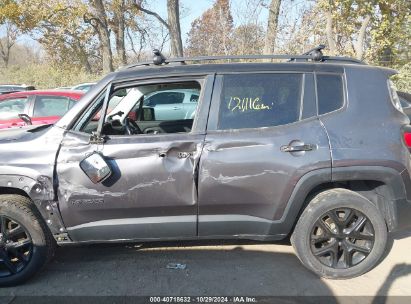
8,43
5,53
359,45
104,35
119,32
274,12
106,50
120,44
173,11
330,33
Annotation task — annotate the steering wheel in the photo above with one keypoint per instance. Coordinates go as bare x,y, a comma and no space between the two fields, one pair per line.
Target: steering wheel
131,127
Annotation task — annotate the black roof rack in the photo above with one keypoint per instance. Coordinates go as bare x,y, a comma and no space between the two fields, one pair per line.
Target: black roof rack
314,55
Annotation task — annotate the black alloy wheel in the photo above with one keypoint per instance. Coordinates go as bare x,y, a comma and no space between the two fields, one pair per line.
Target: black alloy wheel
342,238
16,247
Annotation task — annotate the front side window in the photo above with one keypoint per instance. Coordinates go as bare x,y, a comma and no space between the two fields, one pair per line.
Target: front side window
330,93
146,109
260,100
45,106
10,109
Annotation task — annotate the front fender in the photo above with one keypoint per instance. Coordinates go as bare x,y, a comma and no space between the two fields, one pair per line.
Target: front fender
40,191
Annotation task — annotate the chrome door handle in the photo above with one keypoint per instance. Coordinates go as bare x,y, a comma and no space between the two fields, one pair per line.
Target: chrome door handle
297,148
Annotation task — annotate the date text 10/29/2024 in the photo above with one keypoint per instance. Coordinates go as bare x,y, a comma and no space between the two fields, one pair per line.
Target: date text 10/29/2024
204,299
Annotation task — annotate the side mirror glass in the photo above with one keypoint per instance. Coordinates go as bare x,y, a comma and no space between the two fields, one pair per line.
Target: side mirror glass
96,168
148,114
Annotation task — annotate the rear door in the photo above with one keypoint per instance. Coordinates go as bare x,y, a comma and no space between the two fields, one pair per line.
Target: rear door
263,136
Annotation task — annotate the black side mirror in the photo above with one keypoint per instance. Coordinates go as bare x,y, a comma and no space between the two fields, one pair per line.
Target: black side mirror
25,118
148,114
96,168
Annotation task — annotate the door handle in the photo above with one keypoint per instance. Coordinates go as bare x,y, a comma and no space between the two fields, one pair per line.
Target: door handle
185,154
163,154
297,148
176,108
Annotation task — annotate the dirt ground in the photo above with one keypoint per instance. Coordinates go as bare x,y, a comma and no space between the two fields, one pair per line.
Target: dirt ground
211,269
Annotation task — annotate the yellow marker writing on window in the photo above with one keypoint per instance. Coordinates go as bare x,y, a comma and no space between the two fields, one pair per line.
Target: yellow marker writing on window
246,104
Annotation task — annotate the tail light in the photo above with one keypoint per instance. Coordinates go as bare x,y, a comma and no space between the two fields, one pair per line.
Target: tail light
407,139
407,136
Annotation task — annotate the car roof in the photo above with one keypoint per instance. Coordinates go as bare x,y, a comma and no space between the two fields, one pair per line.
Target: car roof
65,93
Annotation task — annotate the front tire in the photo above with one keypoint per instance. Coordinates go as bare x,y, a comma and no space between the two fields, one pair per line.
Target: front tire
340,235
26,243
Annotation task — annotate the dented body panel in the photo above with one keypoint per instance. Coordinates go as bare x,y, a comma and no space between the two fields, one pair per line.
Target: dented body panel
151,184
27,163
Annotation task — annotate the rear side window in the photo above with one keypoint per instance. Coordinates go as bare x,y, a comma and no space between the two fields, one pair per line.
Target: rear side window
259,100
50,106
330,93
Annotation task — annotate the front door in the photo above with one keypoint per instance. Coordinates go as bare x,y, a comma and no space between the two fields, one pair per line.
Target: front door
263,136
152,192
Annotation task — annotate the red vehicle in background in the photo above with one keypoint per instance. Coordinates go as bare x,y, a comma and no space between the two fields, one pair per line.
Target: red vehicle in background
35,107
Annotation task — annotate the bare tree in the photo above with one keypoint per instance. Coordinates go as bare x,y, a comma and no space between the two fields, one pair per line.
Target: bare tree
172,24
100,24
8,42
272,25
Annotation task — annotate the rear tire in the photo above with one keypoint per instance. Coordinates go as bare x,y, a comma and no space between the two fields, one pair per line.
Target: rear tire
340,235
26,243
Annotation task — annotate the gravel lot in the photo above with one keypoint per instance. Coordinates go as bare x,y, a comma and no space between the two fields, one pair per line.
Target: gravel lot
212,269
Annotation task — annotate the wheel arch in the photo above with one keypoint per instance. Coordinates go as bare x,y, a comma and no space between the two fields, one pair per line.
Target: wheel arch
16,191
383,186
40,192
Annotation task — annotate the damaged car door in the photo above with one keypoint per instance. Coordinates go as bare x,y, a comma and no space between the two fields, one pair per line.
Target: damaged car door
151,192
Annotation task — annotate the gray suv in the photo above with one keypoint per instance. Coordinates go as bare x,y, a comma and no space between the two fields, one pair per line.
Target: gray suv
315,148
